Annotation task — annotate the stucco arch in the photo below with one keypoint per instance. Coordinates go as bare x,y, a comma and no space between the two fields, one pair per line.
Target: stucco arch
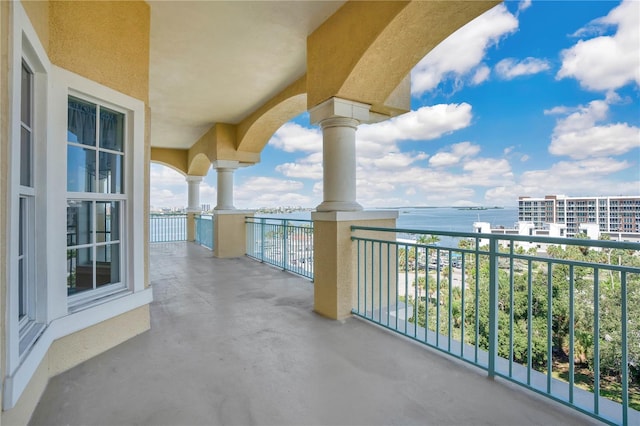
170,166
255,131
175,159
199,165
365,51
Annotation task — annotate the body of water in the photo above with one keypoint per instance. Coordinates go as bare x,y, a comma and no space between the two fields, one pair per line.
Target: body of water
436,219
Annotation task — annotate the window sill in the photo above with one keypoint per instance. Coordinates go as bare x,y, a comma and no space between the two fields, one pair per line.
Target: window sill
85,303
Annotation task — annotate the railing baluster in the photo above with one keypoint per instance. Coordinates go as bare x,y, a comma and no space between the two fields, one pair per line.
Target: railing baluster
571,333
493,305
511,279
529,319
625,354
450,303
549,325
462,302
437,297
596,341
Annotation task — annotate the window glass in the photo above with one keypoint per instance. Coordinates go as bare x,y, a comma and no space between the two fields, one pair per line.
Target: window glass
111,129
81,122
81,169
22,289
25,157
107,221
25,102
108,264
110,179
79,223
79,270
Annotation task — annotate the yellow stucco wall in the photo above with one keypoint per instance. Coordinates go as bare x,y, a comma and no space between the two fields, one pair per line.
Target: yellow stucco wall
335,266
230,234
105,41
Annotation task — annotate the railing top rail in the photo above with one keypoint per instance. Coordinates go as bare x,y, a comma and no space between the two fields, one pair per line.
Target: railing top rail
525,257
623,245
254,219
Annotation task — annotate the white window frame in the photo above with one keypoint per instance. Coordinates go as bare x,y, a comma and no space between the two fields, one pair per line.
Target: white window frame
23,332
132,237
87,298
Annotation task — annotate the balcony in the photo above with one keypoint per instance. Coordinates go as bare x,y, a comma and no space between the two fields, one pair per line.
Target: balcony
234,341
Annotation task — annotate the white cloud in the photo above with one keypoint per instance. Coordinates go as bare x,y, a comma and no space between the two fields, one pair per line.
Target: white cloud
593,176
292,137
165,176
455,156
429,122
168,188
606,62
301,170
481,75
262,191
579,136
460,53
510,68
523,5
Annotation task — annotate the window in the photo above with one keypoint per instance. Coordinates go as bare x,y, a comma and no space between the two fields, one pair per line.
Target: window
95,196
26,201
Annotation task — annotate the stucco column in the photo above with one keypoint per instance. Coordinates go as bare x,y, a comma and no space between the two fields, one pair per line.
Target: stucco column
193,205
225,171
339,164
194,194
335,256
339,119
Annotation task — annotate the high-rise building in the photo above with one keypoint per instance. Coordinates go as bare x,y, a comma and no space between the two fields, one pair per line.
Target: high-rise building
619,214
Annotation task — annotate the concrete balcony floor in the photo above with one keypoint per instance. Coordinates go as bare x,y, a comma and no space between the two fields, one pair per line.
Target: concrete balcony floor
234,342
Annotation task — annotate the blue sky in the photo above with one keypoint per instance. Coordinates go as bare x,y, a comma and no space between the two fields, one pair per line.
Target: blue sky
531,98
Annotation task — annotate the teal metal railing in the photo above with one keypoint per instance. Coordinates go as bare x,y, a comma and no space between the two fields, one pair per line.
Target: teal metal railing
557,316
204,230
285,243
167,228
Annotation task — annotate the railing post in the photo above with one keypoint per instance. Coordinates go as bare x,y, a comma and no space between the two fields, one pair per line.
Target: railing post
284,244
493,305
262,237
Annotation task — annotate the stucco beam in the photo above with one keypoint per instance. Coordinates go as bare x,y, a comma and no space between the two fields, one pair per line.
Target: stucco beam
334,48
255,131
219,143
174,158
366,50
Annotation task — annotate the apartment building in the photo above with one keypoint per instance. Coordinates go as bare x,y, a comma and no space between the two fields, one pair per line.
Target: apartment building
614,214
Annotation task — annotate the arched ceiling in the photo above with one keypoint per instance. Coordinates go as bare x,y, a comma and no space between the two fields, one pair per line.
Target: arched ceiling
218,61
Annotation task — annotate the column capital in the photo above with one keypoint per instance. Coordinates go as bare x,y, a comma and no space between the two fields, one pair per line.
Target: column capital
196,179
339,122
337,107
225,164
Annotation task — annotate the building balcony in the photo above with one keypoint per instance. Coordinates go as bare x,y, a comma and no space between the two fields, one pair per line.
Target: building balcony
234,341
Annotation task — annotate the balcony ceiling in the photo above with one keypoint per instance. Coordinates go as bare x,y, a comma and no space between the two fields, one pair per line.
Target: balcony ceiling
218,61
